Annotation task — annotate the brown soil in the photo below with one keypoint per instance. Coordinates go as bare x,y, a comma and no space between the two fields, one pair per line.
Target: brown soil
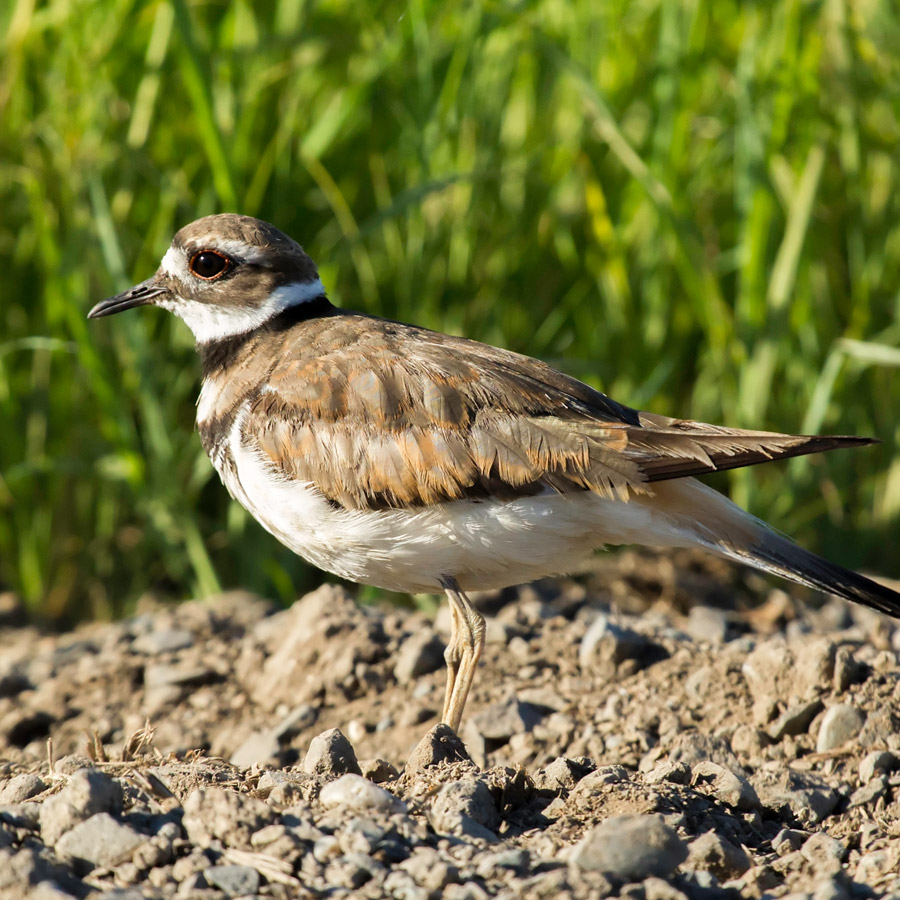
764,731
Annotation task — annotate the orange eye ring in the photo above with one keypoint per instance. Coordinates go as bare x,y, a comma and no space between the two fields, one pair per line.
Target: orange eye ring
209,264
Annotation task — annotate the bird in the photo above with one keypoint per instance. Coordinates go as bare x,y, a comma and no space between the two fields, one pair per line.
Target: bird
396,456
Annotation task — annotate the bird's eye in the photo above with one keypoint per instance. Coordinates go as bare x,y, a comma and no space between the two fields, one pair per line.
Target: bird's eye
209,264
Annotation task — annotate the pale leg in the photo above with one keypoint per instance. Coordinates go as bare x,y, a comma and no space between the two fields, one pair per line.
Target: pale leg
463,652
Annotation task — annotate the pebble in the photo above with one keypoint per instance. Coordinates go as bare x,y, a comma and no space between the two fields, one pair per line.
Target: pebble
357,793
707,623
440,745
330,753
562,773
160,675
298,719
796,719
214,814
727,787
877,762
167,640
631,848
429,869
787,841
606,648
22,787
808,797
841,723
868,793
260,747
673,772
87,792
824,852
501,720
419,654
713,853
233,881
465,808
100,841
378,770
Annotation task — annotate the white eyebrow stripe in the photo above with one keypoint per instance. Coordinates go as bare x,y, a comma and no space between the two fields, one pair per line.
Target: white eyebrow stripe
230,247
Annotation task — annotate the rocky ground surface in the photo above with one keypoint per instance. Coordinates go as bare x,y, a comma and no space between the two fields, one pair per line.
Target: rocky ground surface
660,728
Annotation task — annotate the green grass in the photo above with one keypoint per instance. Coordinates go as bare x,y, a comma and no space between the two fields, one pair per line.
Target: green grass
692,205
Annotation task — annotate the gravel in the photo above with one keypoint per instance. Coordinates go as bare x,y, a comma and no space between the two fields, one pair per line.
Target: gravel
230,749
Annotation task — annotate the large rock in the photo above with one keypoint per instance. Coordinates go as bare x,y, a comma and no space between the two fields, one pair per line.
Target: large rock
315,646
330,753
214,814
100,841
87,792
630,848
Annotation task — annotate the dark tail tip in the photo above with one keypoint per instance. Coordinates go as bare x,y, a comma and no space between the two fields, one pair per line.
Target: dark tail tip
782,557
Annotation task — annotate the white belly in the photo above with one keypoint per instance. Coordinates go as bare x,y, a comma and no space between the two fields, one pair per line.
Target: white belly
482,544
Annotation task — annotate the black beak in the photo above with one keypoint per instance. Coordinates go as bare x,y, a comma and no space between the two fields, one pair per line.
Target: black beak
140,295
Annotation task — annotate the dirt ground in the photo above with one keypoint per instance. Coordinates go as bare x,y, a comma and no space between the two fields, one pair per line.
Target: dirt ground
661,727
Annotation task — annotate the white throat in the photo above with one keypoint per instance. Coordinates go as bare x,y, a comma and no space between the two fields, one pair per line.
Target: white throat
209,322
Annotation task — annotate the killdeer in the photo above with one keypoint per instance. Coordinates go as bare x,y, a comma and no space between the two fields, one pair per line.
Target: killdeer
416,461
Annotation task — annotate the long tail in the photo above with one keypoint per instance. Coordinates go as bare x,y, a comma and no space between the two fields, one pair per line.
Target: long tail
780,556
708,518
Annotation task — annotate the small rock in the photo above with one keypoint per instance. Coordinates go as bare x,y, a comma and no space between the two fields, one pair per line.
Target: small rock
708,624
86,793
726,786
516,859
378,770
100,841
260,747
824,852
878,762
21,787
713,853
465,807
767,668
847,671
233,881
440,745
840,724
167,640
429,869
832,889
160,675
748,741
356,793
788,841
814,666
330,753
631,848
298,719
594,782
419,654
215,814
22,815
562,773
795,719
868,793
501,720
881,728
673,772
607,649
808,797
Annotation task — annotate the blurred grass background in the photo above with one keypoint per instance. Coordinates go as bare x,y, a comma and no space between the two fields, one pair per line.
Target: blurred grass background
692,205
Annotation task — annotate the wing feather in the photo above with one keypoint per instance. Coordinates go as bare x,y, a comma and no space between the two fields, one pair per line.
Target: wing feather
396,416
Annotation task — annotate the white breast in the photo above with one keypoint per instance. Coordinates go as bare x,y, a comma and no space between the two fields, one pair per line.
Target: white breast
483,544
